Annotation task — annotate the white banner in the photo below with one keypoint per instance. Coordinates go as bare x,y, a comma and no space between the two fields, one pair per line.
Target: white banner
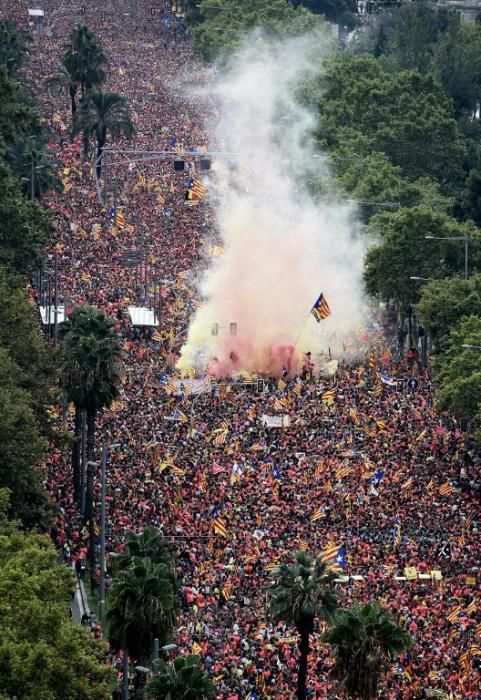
190,386
276,421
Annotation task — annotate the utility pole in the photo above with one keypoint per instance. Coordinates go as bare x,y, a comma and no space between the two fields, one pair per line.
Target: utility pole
55,299
83,463
103,488
49,305
102,533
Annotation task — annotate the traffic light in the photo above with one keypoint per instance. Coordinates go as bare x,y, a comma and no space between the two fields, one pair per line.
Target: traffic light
233,328
260,386
215,329
400,385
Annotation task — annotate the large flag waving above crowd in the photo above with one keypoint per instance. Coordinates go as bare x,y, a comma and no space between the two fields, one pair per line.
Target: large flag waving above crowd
320,309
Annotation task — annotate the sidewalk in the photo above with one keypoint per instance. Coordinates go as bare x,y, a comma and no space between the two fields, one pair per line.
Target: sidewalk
79,603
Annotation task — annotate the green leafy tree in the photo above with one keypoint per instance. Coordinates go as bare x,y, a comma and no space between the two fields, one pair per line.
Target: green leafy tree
374,38
457,65
42,655
91,374
21,337
300,594
402,251
342,12
192,13
364,641
405,115
459,372
18,118
21,448
221,31
13,46
418,28
104,115
30,164
21,134
24,226
182,679
378,185
472,196
444,303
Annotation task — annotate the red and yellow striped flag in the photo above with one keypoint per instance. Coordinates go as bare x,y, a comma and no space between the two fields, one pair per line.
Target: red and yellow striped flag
446,489
219,526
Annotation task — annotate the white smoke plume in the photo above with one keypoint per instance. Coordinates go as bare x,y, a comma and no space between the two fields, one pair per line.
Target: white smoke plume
282,246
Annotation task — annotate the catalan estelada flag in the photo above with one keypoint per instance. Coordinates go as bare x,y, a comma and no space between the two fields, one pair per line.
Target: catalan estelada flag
195,190
334,555
321,309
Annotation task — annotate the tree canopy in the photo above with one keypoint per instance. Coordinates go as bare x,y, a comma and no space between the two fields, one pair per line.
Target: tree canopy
364,107
459,373
364,641
42,655
402,251
222,29
443,303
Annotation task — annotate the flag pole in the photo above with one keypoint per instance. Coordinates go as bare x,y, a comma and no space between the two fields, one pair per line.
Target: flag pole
302,328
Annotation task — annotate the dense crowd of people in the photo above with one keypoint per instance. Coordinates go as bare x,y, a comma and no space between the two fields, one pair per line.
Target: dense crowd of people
345,471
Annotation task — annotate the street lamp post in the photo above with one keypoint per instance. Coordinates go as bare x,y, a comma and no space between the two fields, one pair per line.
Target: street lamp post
103,467
105,451
454,238
424,340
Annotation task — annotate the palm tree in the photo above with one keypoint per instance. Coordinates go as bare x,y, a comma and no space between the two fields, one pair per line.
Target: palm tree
80,66
148,544
365,639
180,680
91,376
30,164
104,113
301,593
65,79
88,56
142,606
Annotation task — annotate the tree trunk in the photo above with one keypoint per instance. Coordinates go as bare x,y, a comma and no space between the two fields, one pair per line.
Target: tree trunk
73,103
89,496
85,143
100,147
76,454
125,676
91,416
302,672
